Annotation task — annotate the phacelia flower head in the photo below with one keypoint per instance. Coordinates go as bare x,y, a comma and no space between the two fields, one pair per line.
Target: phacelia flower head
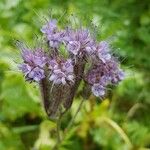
34,62
53,35
34,57
103,74
59,76
78,41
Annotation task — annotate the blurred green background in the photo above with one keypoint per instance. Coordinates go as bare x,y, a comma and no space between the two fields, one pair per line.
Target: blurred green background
120,122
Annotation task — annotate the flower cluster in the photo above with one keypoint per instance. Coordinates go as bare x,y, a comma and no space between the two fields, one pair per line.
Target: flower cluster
49,68
33,66
61,72
53,35
78,41
102,74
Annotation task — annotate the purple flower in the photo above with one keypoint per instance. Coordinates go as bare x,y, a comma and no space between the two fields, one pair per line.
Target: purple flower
118,76
77,41
91,49
63,73
86,60
93,75
105,73
50,27
39,58
25,68
58,77
73,47
104,80
34,63
98,90
27,56
55,39
31,73
103,51
34,58
67,66
36,74
52,34
112,70
83,51
53,64
121,75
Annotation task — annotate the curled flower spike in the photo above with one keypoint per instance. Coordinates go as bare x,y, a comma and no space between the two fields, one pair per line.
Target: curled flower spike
33,66
104,74
53,36
78,41
59,77
34,58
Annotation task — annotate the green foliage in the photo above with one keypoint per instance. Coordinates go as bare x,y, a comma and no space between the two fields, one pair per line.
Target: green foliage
16,99
119,122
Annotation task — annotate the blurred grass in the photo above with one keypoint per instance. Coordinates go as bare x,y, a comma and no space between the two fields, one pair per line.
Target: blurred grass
23,124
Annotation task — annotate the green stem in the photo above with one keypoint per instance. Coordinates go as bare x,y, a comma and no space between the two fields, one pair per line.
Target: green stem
118,129
58,125
134,108
76,113
58,130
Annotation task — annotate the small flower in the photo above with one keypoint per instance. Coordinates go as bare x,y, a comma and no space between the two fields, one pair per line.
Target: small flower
93,75
121,75
34,58
55,39
58,77
63,73
50,27
53,64
103,51
27,56
77,41
67,66
73,47
53,35
98,90
39,58
105,73
90,49
25,68
104,80
36,74
118,76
